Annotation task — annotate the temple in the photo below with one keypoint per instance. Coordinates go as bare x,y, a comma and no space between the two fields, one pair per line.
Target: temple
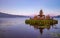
41,16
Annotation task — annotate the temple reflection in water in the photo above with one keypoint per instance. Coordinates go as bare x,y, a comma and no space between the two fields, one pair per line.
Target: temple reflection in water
41,28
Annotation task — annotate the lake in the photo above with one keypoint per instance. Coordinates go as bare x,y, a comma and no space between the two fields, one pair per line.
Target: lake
16,28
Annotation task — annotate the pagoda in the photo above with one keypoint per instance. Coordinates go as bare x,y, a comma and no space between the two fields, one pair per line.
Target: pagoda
41,16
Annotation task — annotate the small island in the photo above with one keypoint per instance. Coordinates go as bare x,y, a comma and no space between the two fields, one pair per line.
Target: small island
41,20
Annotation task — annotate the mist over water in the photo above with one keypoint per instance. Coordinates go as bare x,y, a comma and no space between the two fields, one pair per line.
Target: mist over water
16,28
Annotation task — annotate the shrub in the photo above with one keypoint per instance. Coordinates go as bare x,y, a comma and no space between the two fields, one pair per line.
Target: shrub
41,22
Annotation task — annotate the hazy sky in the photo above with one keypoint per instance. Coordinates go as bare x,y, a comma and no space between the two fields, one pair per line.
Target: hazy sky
30,7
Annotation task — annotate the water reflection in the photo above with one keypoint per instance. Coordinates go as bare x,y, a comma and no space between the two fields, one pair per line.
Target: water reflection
10,21
41,28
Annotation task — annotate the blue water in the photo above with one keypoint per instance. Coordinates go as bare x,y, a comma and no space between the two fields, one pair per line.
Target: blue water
16,28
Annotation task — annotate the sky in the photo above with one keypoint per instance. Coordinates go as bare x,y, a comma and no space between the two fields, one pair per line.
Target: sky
30,7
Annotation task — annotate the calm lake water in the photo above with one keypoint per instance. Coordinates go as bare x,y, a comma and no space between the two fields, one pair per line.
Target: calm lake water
16,28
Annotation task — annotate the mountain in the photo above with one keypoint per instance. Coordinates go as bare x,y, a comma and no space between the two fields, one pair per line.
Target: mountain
58,16
10,16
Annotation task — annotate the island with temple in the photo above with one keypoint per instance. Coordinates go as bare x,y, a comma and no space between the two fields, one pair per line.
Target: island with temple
41,20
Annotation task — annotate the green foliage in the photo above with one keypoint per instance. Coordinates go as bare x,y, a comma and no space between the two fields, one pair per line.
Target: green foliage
41,22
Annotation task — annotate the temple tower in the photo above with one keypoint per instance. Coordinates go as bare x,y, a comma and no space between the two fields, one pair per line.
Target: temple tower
41,13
